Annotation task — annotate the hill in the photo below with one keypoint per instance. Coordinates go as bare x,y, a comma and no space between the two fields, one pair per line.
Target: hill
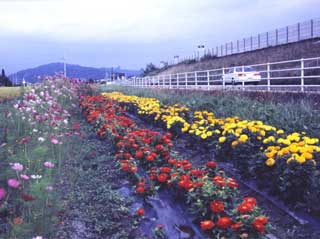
32,75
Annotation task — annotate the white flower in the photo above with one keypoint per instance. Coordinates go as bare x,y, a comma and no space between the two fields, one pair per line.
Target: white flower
36,176
41,139
37,237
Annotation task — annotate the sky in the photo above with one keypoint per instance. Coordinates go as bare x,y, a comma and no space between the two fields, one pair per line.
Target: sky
132,33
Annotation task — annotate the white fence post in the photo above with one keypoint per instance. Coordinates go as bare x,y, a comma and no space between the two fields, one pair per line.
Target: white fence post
302,75
208,80
223,80
178,81
186,81
268,75
196,80
170,81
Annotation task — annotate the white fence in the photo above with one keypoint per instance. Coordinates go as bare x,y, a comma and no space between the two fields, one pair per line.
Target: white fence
292,33
295,75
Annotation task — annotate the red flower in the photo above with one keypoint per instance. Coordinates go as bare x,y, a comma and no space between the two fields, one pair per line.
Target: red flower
258,226
165,170
140,211
162,177
224,222
211,164
120,144
216,206
76,126
27,197
250,200
262,219
133,169
245,208
125,166
159,147
127,156
150,157
236,226
140,190
206,225
139,154
187,166
232,184
221,183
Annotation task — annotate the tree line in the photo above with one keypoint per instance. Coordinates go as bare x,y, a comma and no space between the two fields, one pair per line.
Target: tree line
4,80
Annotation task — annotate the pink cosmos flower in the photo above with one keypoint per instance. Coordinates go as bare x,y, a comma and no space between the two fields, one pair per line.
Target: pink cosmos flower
2,193
54,141
48,164
17,167
49,188
24,177
13,183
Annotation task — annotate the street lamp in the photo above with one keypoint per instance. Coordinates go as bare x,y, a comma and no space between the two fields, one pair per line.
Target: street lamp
64,66
201,48
176,59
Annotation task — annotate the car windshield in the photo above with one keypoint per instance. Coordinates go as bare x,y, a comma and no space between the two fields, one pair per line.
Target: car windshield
248,69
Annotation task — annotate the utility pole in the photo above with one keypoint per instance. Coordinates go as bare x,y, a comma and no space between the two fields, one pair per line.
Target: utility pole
64,67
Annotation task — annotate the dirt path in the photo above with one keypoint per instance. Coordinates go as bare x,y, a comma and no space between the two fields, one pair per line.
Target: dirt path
94,208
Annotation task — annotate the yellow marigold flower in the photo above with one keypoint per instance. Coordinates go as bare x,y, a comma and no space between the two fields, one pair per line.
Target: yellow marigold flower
307,155
300,159
270,154
234,143
203,136
285,150
280,141
289,160
286,142
222,139
270,162
263,133
243,138
209,133
280,131
293,148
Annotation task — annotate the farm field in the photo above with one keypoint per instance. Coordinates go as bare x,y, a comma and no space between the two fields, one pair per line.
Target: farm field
9,92
81,161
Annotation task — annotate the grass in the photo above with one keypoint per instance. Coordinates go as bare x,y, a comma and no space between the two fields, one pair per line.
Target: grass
288,113
9,92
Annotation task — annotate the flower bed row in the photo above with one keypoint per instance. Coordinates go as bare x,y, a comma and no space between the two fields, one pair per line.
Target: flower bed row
287,164
208,191
37,132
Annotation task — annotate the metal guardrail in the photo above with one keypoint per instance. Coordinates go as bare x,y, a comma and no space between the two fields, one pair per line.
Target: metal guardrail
294,75
291,33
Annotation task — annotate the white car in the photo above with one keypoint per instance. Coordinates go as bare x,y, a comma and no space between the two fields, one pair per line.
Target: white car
240,74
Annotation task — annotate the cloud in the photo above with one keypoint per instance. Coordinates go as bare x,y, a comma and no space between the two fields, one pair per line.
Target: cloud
156,29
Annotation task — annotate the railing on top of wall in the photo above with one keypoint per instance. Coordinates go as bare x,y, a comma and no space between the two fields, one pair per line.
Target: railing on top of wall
291,33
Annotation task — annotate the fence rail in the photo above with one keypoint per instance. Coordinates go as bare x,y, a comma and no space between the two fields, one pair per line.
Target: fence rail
294,75
292,33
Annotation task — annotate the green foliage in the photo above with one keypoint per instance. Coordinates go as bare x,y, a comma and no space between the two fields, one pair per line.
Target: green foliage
299,115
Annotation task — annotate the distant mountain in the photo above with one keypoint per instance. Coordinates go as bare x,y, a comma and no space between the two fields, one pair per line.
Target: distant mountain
73,71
